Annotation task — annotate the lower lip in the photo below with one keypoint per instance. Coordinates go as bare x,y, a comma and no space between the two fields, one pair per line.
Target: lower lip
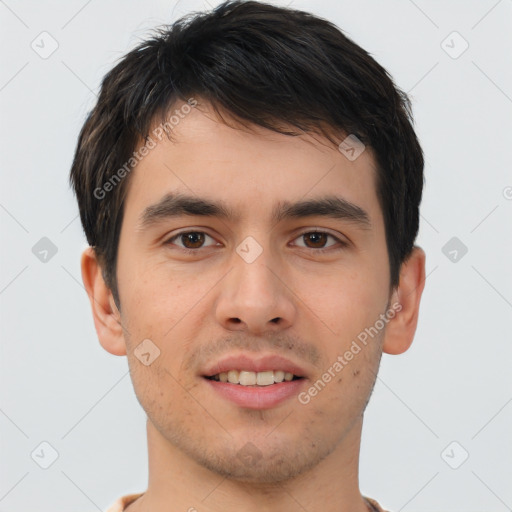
261,397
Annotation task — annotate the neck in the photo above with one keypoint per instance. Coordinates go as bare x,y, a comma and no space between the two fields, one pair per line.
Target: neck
178,483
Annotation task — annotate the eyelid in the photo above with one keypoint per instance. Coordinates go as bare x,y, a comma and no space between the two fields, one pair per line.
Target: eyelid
184,232
341,241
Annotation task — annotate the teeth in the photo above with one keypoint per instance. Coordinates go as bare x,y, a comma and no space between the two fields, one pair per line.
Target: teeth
278,376
264,378
246,378
233,376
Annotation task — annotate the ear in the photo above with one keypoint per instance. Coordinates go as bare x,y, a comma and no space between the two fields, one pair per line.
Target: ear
400,330
107,318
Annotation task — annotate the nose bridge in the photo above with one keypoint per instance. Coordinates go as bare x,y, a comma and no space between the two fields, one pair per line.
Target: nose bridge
252,297
254,283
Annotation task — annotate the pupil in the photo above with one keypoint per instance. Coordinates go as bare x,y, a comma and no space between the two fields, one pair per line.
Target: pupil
196,239
320,237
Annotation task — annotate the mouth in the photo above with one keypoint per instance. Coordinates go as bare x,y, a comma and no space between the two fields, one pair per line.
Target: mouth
254,379
250,383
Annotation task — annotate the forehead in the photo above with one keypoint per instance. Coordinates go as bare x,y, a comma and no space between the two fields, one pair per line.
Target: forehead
247,169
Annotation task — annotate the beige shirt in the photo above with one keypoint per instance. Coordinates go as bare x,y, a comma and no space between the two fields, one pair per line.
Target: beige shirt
124,501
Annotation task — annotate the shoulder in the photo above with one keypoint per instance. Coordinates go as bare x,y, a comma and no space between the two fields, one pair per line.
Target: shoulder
375,505
120,504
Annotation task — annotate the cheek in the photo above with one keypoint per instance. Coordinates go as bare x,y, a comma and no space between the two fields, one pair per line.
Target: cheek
164,307
159,297
159,390
343,301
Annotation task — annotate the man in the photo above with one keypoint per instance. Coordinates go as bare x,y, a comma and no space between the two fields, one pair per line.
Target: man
249,184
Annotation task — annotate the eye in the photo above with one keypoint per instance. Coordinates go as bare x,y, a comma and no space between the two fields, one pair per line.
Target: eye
191,240
318,239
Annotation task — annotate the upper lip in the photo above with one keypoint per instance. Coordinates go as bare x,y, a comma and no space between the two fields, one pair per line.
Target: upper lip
253,364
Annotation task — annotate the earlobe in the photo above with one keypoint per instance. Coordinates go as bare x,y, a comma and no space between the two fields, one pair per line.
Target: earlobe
400,330
107,318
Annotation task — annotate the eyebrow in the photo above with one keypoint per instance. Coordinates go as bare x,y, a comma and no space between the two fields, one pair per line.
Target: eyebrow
177,204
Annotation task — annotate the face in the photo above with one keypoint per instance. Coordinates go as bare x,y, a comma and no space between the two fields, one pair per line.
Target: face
259,284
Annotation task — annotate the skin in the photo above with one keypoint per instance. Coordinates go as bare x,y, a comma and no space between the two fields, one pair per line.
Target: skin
198,308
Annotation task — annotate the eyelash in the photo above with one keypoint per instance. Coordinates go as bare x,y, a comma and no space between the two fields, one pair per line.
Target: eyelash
342,244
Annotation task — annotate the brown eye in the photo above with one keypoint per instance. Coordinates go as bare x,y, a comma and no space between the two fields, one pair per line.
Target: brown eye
195,239
190,240
316,239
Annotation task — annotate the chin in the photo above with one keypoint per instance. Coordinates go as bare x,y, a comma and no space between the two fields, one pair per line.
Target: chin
250,465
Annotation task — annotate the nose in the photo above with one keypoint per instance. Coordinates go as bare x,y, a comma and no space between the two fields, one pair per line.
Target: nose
254,297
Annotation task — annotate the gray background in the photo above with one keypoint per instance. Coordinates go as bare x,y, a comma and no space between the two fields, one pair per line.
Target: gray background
454,385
